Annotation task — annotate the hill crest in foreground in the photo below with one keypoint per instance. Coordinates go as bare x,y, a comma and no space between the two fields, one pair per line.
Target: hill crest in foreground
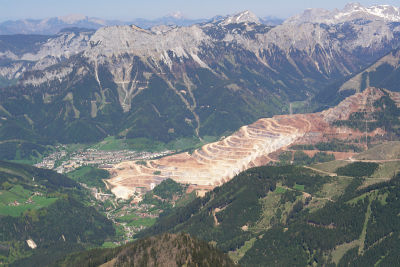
163,250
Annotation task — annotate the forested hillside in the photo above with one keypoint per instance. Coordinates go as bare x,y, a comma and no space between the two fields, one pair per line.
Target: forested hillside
163,250
208,79
43,216
292,216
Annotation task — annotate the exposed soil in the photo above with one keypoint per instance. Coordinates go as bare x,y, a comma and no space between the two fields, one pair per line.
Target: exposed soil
252,145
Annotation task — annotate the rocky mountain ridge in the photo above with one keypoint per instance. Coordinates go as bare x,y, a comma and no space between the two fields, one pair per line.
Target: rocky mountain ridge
184,79
54,25
351,12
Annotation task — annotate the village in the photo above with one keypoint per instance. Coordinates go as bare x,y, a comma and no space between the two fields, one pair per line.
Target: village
16,203
63,161
128,216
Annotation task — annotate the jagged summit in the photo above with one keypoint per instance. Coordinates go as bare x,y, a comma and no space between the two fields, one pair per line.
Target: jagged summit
176,15
204,72
72,18
245,16
352,11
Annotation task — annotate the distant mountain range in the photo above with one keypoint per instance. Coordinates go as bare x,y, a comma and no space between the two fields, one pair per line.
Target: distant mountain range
351,12
54,25
171,82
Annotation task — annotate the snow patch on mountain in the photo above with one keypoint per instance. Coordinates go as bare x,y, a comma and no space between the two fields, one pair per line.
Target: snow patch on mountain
352,11
246,16
72,18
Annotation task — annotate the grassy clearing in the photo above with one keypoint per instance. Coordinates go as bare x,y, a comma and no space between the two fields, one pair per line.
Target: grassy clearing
270,205
127,218
18,190
298,187
387,170
186,199
239,253
340,250
382,198
109,245
21,195
280,190
17,193
370,181
364,230
316,204
335,188
110,144
184,144
273,210
31,161
90,176
144,144
147,222
70,148
16,211
330,166
386,151
14,172
119,231
362,197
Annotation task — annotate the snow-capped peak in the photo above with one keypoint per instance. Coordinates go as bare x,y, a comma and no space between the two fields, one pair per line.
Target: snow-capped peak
386,12
246,16
72,18
350,12
176,15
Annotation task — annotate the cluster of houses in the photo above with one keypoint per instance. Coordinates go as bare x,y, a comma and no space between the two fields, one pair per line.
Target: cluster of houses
93,157
28,201
50,161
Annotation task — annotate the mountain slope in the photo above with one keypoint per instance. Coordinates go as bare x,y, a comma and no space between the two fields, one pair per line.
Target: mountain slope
383,74
253,145
54,25
43,217
292,216
164,250
170,82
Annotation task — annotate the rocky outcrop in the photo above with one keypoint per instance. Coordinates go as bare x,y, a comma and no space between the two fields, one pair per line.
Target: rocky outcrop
351,12
217,163
316,41
185,80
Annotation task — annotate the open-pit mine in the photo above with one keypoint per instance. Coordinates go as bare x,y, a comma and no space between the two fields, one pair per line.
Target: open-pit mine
250,146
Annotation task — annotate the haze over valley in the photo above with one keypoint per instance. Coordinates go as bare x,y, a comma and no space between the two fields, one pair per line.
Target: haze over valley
263,140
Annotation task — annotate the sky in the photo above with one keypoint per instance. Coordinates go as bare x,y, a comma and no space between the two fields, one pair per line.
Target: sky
150,9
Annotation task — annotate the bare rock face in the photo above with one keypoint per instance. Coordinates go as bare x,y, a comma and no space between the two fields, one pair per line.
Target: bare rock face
351,12
183,79
243,17
315,31
217,163
352,104
317,40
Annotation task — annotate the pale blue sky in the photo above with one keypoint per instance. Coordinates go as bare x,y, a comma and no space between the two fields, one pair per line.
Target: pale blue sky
129,9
